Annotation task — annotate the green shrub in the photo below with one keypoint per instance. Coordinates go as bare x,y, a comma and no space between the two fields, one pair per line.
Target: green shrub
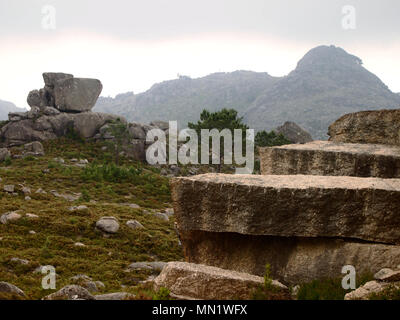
110,173
162,294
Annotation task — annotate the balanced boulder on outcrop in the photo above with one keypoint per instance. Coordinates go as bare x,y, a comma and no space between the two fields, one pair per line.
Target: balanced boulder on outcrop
76,94
332,159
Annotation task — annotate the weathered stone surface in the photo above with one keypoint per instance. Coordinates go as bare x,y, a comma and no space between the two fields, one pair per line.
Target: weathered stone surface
76,94
332,159
387,274
50,78
292,260
206,282
34,99
87,124
288,206
376,127
163,125
70,292
363,292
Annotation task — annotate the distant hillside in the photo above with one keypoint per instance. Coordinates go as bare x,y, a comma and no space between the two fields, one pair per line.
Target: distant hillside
327,83
183,99
6,107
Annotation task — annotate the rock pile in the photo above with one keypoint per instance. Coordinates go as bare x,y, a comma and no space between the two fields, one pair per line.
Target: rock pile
64,107
317,207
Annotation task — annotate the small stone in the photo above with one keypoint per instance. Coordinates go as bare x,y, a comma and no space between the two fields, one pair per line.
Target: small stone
9,188
155,266
10,217
6,287
26,190
70,292
78,208
169,212
79,244
115,296
32,232
162,216
41,191
19,261
31,216
108,224
28,198
134,224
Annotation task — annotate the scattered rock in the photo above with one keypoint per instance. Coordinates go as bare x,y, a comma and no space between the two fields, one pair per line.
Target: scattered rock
19,261
134,224
10,217
115,296
9,188
108,224
155,266
79,244
209,283
387,275
4,154
31,216
70,292
32,232
363,292
40,191
68,197
161,216
6,287
26,190
78,208
28,198
35,147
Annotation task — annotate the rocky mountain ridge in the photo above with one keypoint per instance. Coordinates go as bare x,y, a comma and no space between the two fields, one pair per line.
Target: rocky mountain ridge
326,84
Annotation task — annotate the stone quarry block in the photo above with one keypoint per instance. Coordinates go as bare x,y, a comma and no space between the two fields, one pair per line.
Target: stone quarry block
290,206
76,94
326,158
293,260
195,281
376,127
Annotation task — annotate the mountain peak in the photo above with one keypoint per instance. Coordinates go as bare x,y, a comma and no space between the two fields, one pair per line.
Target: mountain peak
328,56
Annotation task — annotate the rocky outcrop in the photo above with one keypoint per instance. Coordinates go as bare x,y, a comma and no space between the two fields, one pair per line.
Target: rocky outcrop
290,206
332,159
194,281
294,132
376,127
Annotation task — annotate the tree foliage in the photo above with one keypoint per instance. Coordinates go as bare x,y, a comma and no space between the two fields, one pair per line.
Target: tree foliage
270,139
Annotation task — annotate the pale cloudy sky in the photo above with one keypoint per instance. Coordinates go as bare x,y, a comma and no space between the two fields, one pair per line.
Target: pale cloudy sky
130,45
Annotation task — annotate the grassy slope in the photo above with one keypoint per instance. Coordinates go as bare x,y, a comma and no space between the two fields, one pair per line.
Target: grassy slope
57,229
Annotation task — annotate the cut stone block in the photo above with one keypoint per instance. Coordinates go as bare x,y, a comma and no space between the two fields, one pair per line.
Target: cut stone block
290,206
292,260
326,158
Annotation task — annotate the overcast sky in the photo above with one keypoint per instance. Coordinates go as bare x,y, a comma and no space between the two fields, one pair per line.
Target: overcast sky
130,45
